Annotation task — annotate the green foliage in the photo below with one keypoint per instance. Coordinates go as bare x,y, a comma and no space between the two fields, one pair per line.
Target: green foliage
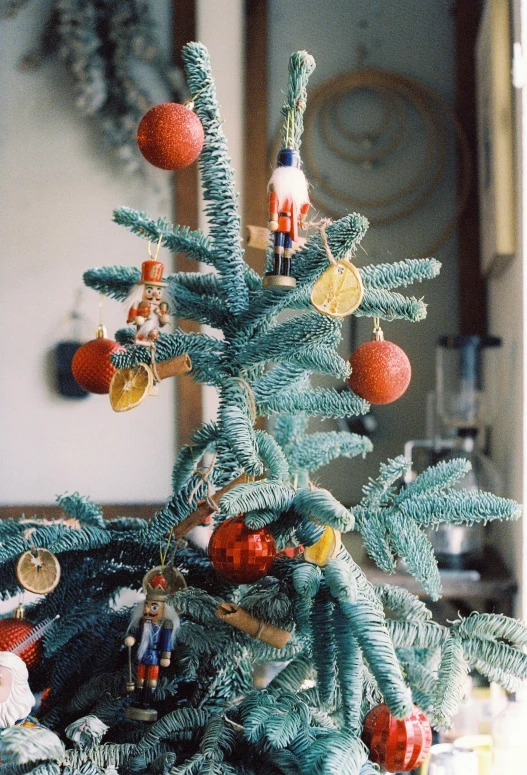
391,520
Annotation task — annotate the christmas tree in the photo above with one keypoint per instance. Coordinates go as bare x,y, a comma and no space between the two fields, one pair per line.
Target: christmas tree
342,647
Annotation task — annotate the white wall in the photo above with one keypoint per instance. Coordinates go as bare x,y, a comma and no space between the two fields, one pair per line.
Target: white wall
221,27
58,189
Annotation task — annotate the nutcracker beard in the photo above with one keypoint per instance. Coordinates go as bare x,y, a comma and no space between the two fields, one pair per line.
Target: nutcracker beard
16,699
146,636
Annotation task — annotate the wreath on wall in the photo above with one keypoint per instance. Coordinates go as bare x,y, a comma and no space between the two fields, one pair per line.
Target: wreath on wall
108,48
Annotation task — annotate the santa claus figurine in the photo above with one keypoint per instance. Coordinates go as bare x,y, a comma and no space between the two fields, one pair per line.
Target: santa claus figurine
153,627
148,311
288,207
16,699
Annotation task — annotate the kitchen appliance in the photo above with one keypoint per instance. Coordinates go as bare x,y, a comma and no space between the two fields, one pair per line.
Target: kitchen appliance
459,413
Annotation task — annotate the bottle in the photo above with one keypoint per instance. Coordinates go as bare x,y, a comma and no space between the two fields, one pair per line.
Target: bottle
509,751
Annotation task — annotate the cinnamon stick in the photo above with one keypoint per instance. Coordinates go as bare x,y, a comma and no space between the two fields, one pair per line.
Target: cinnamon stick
181,364
202,512
244,621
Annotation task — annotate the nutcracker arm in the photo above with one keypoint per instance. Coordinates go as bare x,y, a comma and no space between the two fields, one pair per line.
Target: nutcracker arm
163,315
303,212
165,641
132,314
273,212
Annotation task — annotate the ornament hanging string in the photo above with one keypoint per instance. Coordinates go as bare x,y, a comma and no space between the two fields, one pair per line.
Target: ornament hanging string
190,102
204,474
154,258
251,401
153,364
164,553
101,314
322,229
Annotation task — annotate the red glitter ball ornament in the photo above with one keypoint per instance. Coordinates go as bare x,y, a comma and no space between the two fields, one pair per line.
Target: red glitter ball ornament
381,372
170,136
397,745
91,365
13,631
240,554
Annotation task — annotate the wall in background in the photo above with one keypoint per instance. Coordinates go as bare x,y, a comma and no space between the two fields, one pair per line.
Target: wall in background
416,39
58,189
508,320
223,34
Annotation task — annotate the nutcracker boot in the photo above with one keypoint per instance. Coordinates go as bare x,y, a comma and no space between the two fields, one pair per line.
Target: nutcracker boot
140,709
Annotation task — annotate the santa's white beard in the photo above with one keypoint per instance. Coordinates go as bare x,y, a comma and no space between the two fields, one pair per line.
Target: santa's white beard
17,706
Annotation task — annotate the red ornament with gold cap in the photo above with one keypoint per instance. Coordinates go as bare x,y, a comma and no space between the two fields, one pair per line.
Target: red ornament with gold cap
397,745
91,365
240,554
381,371
20,636
170,136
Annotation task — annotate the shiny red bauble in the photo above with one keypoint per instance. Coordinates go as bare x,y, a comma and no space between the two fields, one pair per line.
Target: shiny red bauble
397,745
240,554
12,632
91,365
170,136
381,372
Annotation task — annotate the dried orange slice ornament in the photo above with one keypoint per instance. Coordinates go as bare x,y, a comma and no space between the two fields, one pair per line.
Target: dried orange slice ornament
130,387
38,570
325,549
339,290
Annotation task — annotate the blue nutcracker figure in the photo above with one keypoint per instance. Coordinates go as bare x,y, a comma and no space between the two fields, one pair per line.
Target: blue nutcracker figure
288,207
153,627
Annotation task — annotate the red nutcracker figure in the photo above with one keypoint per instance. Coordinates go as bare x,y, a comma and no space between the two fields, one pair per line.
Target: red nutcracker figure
153,626
148,310
288,207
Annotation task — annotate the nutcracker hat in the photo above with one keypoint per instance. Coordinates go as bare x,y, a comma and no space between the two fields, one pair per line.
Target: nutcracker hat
288,157
159,583
152,272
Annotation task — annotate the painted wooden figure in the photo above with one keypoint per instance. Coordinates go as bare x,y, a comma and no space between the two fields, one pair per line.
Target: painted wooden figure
148,311
16,699
288,207
153,627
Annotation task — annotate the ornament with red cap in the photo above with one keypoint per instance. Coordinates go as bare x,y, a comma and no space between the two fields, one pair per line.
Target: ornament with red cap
153,628
91,366
22,637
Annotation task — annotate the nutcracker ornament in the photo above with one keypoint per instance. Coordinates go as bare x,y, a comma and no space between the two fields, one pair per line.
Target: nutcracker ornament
148,312
288,207
153,627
